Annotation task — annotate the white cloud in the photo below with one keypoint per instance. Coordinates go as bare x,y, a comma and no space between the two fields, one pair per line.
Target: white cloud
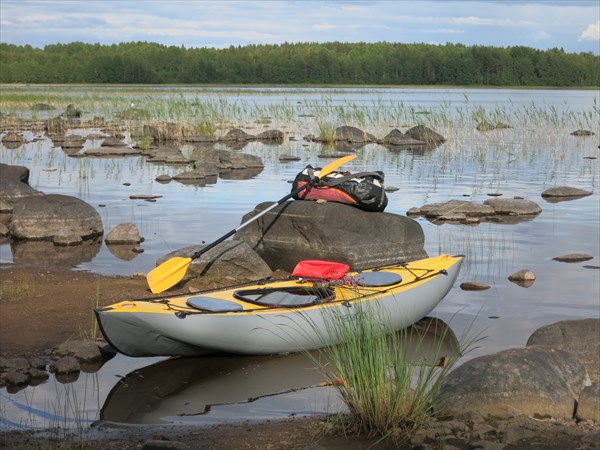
540,35
445,31
591,33
324,26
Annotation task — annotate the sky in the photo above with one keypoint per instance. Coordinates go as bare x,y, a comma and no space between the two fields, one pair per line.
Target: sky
572,25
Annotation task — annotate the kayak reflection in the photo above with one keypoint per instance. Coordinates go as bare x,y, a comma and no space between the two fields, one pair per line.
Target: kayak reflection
176,387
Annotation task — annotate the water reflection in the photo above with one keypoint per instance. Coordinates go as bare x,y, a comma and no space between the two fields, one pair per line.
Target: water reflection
36,252
192,386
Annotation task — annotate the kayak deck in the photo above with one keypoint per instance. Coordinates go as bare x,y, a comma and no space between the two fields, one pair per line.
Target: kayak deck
295,293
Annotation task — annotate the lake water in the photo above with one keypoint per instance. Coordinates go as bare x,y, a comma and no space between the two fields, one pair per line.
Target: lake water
537,153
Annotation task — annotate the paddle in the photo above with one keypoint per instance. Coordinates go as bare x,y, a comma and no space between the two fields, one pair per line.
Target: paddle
173,270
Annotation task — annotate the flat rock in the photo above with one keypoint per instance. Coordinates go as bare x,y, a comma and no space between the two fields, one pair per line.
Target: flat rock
112,141
565,191
513,206
112,151
84,351
494,209
144,197
573,257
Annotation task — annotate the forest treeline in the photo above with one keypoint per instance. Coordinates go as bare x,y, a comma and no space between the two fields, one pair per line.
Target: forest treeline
303,63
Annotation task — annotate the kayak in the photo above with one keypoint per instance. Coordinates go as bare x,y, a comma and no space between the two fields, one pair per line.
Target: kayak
275,316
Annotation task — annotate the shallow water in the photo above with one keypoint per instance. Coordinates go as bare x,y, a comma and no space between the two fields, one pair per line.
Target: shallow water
522,161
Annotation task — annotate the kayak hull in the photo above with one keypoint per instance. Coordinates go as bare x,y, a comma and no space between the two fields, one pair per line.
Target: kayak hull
170,327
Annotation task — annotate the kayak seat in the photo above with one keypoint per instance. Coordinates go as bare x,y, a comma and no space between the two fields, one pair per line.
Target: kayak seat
213,304
374,279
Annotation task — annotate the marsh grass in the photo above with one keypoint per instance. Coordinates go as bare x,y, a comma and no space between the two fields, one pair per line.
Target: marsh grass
385,378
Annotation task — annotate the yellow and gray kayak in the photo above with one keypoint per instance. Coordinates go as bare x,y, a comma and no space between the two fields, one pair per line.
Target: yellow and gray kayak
277,316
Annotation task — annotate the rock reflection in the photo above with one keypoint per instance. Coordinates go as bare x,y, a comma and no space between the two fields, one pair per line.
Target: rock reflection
46,253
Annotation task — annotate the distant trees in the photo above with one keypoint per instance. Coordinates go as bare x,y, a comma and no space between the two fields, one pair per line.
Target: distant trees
381,63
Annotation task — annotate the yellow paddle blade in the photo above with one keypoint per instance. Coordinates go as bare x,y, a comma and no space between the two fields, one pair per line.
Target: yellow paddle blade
334,165
168,274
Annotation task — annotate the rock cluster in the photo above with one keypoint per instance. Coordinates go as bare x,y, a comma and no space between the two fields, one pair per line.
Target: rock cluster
65,362
29,214
492,210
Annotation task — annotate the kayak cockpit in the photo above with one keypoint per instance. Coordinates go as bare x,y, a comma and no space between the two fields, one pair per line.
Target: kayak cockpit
292,297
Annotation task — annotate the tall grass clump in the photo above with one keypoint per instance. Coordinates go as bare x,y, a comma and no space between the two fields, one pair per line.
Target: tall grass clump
388,391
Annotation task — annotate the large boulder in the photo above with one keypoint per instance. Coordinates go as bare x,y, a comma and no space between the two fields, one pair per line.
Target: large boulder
580,337
538,381
46,216
300,229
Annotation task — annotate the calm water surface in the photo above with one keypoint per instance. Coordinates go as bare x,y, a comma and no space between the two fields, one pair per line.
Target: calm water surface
521,161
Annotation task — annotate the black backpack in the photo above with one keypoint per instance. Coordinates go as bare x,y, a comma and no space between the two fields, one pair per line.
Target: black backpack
363,189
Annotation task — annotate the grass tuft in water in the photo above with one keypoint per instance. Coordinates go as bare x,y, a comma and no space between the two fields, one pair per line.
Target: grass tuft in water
385,378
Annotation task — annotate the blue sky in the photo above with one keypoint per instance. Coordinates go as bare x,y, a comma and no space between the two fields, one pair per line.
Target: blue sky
573,25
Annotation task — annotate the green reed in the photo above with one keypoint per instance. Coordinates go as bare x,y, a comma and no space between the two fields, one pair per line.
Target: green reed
214,113
388,391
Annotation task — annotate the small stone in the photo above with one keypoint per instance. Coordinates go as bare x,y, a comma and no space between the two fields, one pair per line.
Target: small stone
522,275
124,233
574,257
474,286
582,133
